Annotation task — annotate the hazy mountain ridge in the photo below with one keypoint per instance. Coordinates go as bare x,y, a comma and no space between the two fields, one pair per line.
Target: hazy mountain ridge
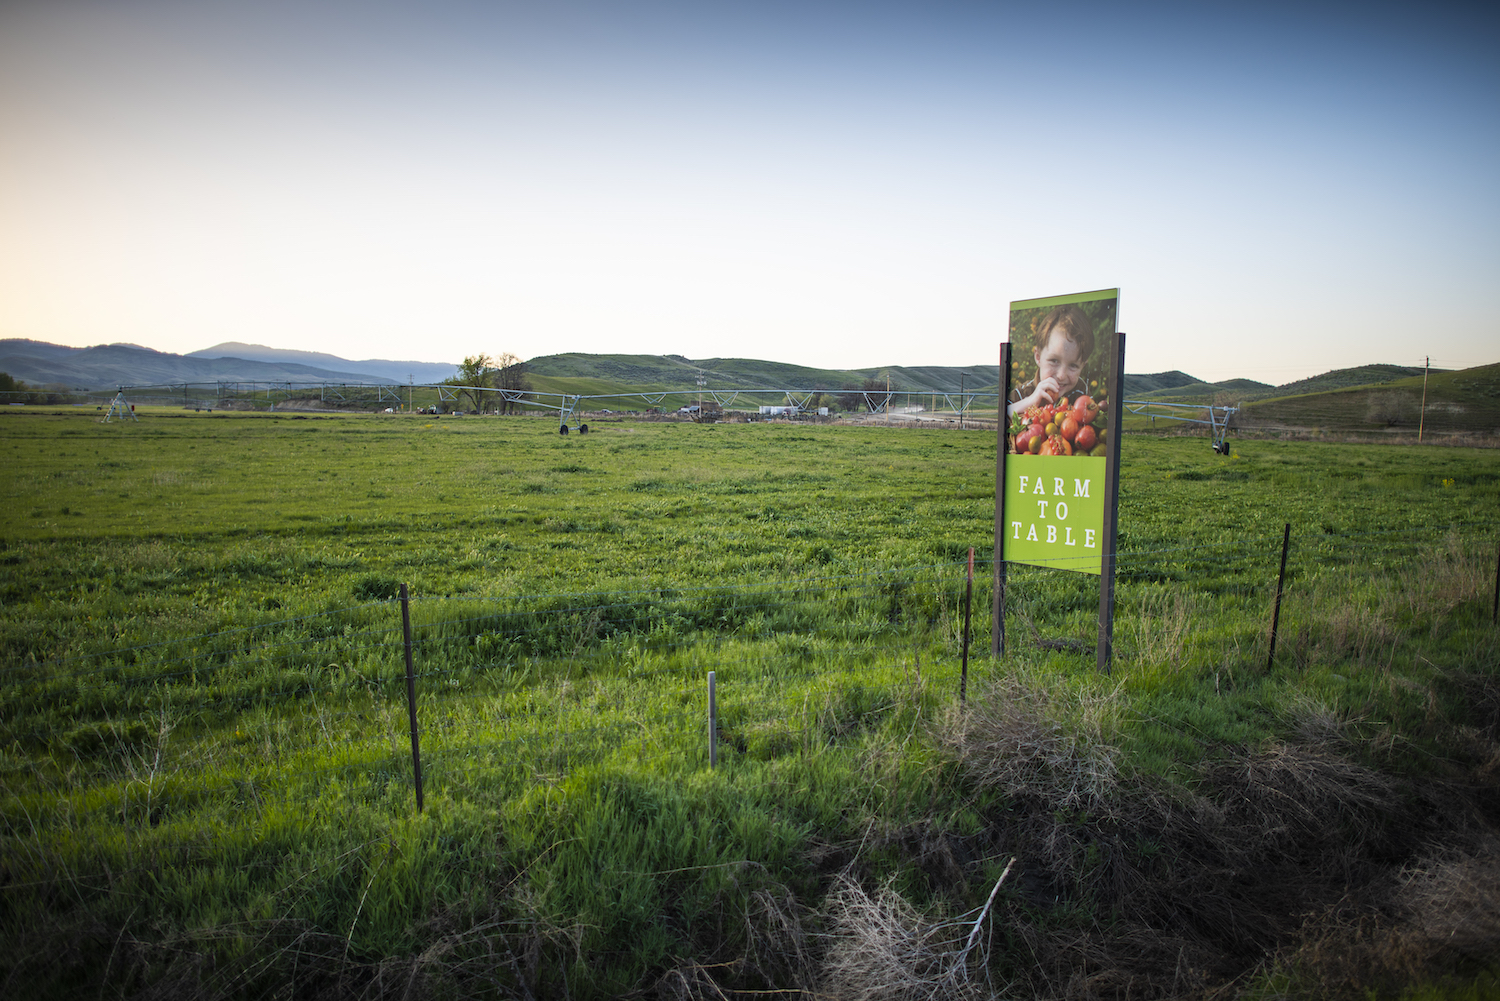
104,366
383,370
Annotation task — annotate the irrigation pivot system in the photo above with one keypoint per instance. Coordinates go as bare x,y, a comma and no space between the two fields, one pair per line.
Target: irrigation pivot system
915,404
1217,419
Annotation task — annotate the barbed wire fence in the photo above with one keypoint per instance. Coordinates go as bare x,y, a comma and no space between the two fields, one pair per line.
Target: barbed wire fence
539,685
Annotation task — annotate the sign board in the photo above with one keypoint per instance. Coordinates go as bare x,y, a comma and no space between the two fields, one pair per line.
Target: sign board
1058,433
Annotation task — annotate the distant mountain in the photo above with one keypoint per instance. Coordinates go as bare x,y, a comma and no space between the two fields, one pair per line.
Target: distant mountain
374,369
105,366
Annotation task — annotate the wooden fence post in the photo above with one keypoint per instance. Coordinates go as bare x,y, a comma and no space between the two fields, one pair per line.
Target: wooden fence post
1286,538
411,696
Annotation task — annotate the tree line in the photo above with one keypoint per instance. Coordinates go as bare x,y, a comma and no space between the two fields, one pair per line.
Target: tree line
13,390
480,372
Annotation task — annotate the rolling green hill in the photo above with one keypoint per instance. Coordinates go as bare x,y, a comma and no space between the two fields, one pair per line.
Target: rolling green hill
1141,385
1363,398
591,373
1467,400
1345,378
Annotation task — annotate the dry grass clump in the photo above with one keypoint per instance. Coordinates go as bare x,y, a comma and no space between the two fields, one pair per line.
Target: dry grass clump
1453,904
1158,631
777,949
1441,919
1128,962
883,949
1446,578
1031,743
1313,723
1346,631
690,982
1289,795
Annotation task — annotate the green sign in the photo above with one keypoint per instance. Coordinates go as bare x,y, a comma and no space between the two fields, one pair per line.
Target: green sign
1054,511
1058,437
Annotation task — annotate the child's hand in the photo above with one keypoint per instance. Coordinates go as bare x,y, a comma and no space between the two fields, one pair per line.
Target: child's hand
1047,391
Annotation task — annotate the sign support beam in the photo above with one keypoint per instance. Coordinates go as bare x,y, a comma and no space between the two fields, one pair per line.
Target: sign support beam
1105,646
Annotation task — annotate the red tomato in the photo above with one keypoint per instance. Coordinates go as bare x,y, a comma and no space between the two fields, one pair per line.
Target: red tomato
1069,428
1085,439
1056,445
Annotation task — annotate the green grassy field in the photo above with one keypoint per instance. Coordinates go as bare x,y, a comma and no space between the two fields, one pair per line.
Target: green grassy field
207,776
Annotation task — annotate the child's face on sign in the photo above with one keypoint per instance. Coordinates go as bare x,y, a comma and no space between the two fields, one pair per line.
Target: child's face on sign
1061,360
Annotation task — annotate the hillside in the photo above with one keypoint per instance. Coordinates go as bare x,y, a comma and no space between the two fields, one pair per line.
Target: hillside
1467,400
1231,392
661,372
1140,385
1345,378
1363,398
107,365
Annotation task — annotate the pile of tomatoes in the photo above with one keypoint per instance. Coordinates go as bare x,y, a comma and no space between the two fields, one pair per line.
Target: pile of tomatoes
1061,428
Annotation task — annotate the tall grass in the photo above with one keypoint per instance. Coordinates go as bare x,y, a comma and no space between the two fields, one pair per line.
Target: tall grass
206,768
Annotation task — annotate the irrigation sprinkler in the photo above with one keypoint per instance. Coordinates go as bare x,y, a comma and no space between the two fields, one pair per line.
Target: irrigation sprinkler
1216,419
121,408
565,406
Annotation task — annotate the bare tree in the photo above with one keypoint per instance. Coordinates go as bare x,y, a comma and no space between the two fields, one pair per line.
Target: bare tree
511,375
1391,409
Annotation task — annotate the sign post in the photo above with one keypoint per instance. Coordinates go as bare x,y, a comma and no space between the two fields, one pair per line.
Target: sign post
1106,644
1056,471
1002,446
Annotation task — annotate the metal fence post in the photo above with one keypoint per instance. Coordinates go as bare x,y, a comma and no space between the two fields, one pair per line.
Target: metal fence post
963,678
411,696
1495,609
713,723
1286,538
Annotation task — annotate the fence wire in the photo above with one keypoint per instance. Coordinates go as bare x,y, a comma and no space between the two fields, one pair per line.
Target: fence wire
520,685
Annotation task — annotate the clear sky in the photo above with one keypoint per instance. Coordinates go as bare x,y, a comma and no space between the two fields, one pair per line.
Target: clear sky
1278,189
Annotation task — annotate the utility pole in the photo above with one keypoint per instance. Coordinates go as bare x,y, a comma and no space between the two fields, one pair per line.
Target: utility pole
701,380
1422,415
960,401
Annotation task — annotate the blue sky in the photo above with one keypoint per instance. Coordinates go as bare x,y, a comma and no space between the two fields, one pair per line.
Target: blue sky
1278,190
